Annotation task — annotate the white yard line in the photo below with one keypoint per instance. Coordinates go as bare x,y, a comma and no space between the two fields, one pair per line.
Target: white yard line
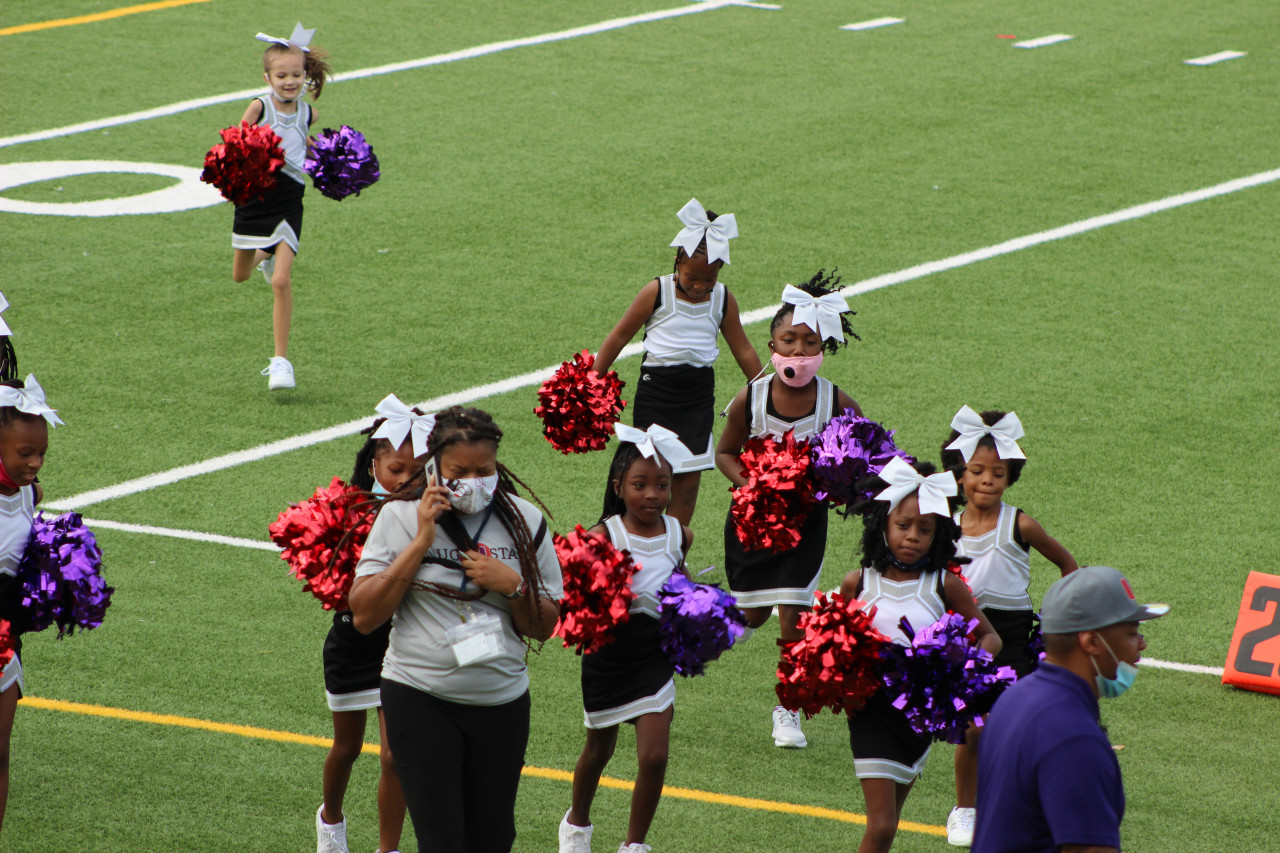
1181,667
757,315
439,59
1043,41
1215,58
873,24
176,533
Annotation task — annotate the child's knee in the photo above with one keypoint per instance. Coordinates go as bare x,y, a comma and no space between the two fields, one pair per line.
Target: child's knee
653,758
881,830
757,616
598,751
387,760
240,277
282,283
345,752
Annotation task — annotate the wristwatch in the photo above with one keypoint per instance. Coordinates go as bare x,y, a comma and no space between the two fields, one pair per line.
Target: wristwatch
520,591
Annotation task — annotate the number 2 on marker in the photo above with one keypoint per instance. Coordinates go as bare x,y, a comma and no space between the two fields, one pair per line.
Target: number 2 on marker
1245,661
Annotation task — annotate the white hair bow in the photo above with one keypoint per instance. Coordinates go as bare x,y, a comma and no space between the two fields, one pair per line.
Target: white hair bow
401,421
301,38
697,226
820,313
903,480
5,331
655,441
1005,431
30,399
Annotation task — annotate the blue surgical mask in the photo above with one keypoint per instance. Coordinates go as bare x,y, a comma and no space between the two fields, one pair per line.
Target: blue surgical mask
1126,674
378,488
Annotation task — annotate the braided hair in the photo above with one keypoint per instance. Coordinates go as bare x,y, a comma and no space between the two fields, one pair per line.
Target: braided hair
820,285
953,460
465,425
8,361
875,521
315,67
700,250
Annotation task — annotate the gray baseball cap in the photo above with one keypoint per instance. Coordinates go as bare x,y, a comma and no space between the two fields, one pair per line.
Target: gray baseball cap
1092,597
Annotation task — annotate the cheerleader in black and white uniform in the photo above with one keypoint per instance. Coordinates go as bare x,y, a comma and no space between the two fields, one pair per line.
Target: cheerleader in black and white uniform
908,540
811,320
681,314
266,231
631,680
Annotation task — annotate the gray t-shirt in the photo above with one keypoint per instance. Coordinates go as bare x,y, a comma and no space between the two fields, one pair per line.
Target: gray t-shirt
419,655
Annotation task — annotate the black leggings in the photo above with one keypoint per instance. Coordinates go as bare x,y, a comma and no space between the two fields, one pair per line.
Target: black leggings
459,766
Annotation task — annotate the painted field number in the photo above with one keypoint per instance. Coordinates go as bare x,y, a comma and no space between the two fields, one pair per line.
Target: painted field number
1253,662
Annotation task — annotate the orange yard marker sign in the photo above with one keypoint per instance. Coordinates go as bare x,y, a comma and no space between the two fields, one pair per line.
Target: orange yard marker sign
1253,662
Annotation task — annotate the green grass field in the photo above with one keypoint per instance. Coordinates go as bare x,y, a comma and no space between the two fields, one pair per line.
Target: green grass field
526,195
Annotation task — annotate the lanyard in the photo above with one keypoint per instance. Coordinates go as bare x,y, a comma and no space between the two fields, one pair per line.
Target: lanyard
475,537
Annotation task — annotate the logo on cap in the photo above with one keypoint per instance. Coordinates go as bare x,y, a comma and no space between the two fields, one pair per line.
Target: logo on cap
1125,583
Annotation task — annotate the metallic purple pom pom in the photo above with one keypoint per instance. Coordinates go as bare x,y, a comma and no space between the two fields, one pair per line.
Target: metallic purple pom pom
698,623
341,163
850,448
61,576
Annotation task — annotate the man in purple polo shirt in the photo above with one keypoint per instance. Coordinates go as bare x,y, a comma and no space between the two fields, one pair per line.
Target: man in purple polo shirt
1048,779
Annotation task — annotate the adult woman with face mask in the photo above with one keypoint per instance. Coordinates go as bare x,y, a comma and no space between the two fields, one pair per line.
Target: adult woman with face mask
471,577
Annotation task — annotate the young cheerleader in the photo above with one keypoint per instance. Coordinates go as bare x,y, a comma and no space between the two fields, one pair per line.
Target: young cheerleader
983,452
909,538
25,419
812,320
681,314
631,680
266,231
471,577
387,462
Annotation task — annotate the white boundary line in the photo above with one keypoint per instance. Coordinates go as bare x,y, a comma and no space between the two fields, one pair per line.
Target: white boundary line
536,377
1181,667
439,59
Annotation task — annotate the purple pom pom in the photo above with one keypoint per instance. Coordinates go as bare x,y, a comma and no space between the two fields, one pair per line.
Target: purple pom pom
698,623
1035,642
61,576
341,163
943,682
850,448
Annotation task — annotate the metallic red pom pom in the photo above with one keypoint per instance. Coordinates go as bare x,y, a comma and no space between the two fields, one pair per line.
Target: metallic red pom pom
243,165
578,406
769,511
836,664
597,589
316,546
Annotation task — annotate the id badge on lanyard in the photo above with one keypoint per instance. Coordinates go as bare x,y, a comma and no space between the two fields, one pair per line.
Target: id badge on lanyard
477,638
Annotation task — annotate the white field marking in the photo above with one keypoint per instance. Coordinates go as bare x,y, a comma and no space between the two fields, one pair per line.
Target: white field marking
536,377
1181,667
751,4
194,535
188,194
439,59
1043,41
871,25
1220,56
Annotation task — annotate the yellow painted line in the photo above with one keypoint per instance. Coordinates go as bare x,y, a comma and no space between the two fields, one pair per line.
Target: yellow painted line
731,800
96,16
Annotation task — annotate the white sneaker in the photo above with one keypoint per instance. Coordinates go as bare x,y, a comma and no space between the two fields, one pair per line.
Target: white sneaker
279,373
330,837
960,827
268,267
635,848
786,729
574,839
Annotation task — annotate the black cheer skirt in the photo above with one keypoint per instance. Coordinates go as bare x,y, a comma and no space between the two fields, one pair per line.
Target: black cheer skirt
266,222
353,664
629,677
765,578
681,398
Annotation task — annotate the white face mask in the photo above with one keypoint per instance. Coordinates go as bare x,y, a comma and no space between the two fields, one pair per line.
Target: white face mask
470,495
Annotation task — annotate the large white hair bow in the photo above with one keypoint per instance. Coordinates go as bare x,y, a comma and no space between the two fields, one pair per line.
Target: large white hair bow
30,399
697,226
1005,431
5,331
903,480
655,441
301,38
820,313
401,421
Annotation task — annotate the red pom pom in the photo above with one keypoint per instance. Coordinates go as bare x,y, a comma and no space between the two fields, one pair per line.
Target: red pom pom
597,589
769,511
316,546
578,406
8,639
243,165
836,664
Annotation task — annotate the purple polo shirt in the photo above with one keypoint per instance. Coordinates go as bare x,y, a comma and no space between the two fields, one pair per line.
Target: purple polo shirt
1047,774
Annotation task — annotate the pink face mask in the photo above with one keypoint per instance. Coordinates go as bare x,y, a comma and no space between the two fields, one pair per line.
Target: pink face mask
797,371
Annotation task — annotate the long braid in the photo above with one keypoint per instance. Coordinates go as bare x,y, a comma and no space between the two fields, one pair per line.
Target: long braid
8,361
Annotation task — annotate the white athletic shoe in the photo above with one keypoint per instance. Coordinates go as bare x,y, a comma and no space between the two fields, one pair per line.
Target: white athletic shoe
635,848
330,837
574,839
279,373
268,267
786,729
960,827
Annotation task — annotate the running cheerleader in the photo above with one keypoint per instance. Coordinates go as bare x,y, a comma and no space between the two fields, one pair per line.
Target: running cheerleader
631,680
983,452
811,321
267,231
682,314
